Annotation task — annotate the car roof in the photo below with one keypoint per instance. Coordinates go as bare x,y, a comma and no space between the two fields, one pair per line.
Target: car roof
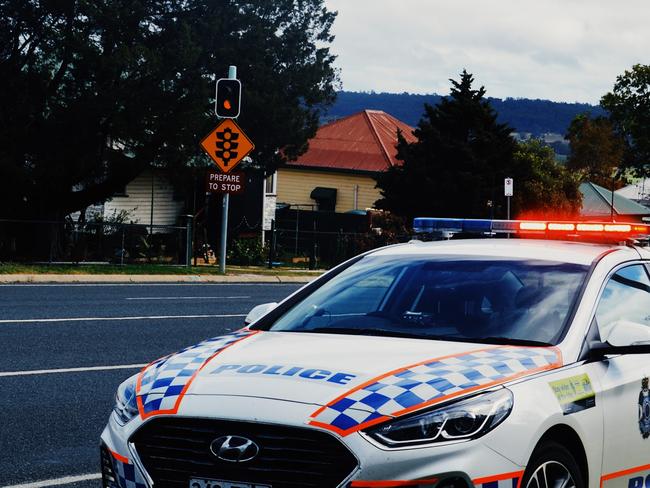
534,249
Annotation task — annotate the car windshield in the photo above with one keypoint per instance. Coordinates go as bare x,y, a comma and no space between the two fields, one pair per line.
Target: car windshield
446,298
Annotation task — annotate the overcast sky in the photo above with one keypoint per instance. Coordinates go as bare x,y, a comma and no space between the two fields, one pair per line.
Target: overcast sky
563,50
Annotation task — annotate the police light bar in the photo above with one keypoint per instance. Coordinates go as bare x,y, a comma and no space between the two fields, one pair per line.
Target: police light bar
534,228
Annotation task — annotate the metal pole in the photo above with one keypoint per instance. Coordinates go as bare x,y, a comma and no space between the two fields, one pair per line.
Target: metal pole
611,216
295,252
232,74
272,246
122,250
508,199
188,240
151,212
224,232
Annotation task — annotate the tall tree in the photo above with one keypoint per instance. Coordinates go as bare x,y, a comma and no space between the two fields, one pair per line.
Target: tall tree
596,151
95,91
629,108
544,189
457,166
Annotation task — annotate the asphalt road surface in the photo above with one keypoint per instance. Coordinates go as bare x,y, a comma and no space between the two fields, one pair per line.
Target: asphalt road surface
65,348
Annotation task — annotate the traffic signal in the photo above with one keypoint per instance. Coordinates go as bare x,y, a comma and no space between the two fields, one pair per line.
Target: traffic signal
226,145
228,98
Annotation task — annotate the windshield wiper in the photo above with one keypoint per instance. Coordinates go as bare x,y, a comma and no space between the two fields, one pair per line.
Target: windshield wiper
367,331
508,341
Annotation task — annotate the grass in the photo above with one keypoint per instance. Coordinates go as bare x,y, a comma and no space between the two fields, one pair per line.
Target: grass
148,269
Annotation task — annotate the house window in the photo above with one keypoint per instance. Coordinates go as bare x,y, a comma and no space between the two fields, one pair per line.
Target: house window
271,187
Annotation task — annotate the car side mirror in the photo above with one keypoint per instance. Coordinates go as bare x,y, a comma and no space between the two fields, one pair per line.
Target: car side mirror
623,333
259,311
621,337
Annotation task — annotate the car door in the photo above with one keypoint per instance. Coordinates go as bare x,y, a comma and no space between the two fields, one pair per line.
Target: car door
624,379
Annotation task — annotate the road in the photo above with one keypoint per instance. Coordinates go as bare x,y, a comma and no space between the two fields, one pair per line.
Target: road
65,348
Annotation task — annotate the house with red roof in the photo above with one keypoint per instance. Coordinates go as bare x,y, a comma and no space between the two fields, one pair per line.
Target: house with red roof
336,173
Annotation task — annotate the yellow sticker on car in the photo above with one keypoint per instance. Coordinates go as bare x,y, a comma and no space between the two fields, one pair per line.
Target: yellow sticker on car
574,393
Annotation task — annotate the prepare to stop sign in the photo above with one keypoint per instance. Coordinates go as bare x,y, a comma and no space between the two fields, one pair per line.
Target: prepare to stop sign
217,182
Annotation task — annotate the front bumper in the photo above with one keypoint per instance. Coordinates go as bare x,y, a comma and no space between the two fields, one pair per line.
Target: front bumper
461,465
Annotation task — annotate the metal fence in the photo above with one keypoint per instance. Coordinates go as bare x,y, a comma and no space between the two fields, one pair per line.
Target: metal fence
99,242
322,249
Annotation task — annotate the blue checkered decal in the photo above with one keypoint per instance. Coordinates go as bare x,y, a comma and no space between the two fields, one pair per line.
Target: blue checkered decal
127,476
162,384
509,483
433,381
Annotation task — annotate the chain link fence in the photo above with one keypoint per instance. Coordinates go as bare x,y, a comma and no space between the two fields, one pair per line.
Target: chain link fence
96,242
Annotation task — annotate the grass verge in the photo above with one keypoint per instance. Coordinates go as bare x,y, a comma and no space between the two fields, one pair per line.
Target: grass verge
145,269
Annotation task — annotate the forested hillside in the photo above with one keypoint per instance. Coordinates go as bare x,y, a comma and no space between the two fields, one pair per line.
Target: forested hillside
524,115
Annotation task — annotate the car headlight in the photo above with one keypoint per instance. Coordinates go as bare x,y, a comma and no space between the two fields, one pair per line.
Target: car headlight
126,405
466,419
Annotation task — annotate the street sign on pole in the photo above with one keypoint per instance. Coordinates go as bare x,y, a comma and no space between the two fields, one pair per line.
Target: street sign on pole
508,190
509,187
227,145
232,183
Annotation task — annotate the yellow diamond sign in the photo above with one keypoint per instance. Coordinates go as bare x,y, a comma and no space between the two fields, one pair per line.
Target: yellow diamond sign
227,145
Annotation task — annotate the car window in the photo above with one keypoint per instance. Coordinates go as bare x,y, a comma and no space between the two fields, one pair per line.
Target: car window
625,297
448,298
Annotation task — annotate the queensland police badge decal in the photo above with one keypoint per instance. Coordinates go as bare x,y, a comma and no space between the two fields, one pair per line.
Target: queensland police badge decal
644,409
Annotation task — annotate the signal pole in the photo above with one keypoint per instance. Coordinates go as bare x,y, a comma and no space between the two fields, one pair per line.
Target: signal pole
232,74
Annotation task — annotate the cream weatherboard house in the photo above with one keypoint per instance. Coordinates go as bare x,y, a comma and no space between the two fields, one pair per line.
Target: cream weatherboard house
149,199
336,173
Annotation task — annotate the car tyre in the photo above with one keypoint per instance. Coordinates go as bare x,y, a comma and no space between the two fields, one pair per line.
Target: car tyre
552,466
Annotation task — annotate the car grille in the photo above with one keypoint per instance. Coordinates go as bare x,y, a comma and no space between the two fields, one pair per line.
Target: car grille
173,450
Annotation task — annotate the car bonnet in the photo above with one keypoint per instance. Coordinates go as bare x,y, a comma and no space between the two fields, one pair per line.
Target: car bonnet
352,381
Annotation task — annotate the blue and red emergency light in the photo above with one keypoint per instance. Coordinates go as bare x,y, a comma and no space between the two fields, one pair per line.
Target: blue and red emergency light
598,231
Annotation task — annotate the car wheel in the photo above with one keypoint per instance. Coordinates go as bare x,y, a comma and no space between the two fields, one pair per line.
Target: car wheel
552,466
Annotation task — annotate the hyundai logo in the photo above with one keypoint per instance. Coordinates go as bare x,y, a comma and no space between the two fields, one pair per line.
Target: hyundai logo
234,449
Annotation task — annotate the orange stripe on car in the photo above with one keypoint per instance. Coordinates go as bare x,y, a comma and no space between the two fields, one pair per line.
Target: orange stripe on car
392,483
619,474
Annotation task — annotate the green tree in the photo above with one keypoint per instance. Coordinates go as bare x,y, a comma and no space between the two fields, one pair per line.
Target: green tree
629,107
544,188
457,166
95,91
596,151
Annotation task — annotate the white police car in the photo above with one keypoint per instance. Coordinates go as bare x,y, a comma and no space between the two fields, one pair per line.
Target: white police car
490,363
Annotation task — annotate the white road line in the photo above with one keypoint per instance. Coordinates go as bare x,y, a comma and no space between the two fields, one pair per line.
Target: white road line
185,298
66,480
70,370
110,319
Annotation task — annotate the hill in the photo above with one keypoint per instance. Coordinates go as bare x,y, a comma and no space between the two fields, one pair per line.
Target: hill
524,115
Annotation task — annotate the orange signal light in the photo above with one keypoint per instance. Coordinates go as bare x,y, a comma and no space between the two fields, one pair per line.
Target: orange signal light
227,105
562,226
532,226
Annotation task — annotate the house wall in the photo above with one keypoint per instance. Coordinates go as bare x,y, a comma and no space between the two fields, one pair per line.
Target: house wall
295,185
138,201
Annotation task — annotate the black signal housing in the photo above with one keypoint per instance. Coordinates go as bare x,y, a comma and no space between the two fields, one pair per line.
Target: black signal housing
228,97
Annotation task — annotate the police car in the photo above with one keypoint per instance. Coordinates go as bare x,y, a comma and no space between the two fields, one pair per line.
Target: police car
491,363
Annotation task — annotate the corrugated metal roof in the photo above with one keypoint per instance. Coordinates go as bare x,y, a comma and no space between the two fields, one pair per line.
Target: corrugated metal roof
596,202
636,191
364,141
